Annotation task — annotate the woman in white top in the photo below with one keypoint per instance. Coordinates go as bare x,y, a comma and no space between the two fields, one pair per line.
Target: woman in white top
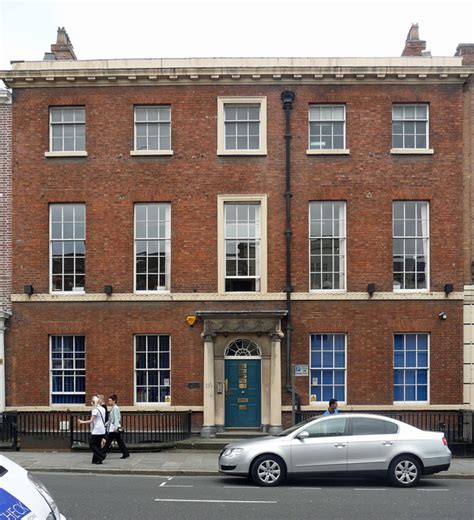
97,422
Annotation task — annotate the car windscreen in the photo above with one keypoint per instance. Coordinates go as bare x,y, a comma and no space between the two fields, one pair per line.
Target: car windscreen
291,429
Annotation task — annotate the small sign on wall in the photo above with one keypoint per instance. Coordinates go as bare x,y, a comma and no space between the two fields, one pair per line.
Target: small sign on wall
301,370
194,385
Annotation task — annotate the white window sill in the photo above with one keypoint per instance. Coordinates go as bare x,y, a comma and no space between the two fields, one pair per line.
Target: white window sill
411,403
340,151
82,153
242,152
67,293
326,291
150,405
158,291
412,151
412,291
147,153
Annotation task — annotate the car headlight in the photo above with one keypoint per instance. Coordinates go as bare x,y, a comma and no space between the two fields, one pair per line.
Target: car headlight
232,452
43,491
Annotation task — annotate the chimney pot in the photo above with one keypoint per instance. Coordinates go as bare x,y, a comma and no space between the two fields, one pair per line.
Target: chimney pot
62,49
413,45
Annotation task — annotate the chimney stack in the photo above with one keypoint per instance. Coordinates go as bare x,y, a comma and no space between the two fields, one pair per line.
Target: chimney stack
414,46
62,49
466,51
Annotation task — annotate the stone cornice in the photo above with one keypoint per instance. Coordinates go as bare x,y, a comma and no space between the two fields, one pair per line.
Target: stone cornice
235,71
202,297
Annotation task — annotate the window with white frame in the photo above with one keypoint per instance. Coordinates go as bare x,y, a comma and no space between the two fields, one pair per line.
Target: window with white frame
242,246
152,369
152,128
410,367
68,369
67,129
242,126
152,246
68,247
327,127
410,245
328,367
327,245
410,126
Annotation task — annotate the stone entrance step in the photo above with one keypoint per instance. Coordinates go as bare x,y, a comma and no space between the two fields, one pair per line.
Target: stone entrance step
217,443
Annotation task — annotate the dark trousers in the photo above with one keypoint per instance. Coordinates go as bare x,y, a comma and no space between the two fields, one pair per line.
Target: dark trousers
116,436
98,455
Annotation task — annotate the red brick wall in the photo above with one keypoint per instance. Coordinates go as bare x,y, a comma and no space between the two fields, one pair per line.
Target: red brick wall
109,181
5,198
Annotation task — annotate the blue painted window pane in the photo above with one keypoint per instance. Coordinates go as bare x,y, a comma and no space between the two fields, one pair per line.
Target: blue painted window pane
339,377
422,393
327,393
327,377
398,393
80,344
327,359
327,342
339,359
316,342
339,393
57,383
80,384
339,342
399,359
315,359
410,377
56,344
422,342
398,378
67,343
411,341
411,359
410,393
422,377
423,359
398,342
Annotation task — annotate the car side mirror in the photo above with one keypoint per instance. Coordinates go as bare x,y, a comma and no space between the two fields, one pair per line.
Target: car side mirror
302,435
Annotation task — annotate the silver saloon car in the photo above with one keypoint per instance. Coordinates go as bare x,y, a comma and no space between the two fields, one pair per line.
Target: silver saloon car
349,443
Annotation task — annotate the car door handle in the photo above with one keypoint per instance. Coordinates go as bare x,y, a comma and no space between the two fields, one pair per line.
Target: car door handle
339,445
387,443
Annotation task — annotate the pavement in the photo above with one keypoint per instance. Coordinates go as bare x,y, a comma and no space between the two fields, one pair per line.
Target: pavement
170,463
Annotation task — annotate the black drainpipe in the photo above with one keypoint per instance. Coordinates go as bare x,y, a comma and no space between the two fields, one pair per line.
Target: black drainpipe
287,98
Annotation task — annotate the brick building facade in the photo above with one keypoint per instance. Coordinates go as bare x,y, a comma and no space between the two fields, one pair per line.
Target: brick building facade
5,227
185,230
466,51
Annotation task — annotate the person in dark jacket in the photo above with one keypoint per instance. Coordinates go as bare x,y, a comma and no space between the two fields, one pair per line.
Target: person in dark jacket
114,428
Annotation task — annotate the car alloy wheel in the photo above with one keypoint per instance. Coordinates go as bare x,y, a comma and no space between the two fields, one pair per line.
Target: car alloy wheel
268,470
405,471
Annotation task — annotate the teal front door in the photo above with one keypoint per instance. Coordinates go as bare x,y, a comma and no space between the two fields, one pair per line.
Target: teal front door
243,391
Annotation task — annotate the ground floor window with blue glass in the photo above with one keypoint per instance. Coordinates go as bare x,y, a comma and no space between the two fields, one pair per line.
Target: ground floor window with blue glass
328,367
68,369
152,369
411,364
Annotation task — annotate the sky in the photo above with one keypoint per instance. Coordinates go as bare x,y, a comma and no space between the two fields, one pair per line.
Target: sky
225,28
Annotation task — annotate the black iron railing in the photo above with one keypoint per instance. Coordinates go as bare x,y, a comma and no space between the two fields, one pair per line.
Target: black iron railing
62,430
456,425
140,428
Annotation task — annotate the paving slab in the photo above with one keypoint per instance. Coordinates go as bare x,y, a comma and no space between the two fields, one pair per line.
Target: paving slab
186,462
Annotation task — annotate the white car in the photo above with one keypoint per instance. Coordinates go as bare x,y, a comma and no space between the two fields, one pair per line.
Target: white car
348,443
23,496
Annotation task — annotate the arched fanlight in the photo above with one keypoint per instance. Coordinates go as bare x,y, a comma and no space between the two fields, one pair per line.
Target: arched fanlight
242,348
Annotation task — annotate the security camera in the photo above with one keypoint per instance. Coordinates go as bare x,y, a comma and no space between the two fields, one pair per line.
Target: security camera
442,316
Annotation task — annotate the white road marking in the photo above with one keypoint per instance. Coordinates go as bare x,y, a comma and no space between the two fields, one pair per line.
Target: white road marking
177,486
310,488
241,487
370,489
216,501
166,481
